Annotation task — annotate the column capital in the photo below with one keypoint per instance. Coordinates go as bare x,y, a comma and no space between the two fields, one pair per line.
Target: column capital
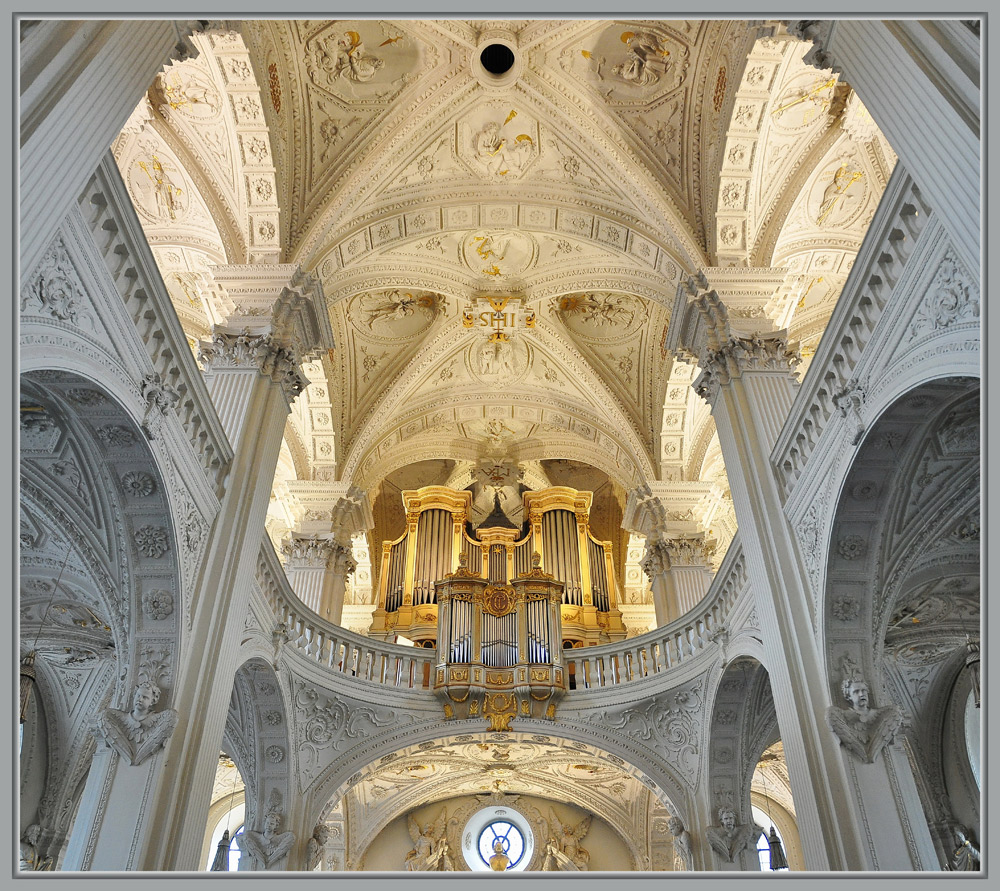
664,554
736,355
262,352
308,552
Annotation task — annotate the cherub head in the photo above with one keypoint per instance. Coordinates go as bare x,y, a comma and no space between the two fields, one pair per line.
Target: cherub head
144,697
498,845
675,825
855,690
272,822
31,834
727,817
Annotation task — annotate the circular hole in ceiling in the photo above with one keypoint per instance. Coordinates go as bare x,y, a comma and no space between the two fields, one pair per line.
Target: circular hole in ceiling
497,58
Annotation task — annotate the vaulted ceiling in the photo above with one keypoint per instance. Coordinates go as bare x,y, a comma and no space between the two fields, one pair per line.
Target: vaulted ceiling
613,160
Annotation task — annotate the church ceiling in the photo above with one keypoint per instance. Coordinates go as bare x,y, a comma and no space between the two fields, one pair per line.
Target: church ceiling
612,161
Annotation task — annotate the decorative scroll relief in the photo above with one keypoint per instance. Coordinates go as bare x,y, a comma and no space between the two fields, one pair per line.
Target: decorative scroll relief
738,354
259,351
950,300
671,723
54,288
326,722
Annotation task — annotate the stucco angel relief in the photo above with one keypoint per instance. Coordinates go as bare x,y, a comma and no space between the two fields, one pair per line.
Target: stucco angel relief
862,730
430,846
138,733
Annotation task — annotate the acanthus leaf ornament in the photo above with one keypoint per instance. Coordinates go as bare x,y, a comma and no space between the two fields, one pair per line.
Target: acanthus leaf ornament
260,351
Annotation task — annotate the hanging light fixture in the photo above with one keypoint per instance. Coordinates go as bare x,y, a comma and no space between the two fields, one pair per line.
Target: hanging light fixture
221,861
28,660
777,853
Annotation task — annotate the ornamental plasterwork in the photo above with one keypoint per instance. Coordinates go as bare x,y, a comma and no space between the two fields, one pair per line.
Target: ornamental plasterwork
575,773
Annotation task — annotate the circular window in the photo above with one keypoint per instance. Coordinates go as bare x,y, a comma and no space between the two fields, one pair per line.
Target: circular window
497,839
497,58
502,844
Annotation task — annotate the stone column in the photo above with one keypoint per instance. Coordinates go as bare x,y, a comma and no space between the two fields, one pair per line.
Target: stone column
747,379
319,558
80,81
317,570
909,73
680,573
677,559
252,372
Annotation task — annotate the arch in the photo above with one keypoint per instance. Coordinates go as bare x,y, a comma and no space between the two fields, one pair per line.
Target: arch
902,591
101,595
256,738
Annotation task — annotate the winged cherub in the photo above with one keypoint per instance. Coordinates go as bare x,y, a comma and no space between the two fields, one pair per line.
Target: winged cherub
863,731
569,837
136,734
430,848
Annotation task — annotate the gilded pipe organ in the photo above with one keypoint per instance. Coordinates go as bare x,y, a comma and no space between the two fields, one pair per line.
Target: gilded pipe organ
437,541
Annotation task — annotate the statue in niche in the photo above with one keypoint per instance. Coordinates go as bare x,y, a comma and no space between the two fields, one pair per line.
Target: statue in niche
966,858
266,850
138,733
29,848
729,838
683,856
862,730
569,838
430,848
316,846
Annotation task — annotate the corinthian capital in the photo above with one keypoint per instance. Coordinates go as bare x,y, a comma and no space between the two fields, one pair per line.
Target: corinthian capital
736,355
309,552
260,351
656,559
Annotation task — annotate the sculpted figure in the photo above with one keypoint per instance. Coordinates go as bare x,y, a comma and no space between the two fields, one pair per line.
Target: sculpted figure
555,859
863,731
966,858
138,733
352,62
729,838
315,847
29,849
569,839
499,861
430,849
643,49
265,850
682,844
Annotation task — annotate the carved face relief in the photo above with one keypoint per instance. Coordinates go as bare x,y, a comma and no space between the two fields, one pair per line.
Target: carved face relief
728,820
858,694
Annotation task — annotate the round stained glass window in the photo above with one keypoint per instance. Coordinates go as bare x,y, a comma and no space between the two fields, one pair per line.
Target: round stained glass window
501,839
